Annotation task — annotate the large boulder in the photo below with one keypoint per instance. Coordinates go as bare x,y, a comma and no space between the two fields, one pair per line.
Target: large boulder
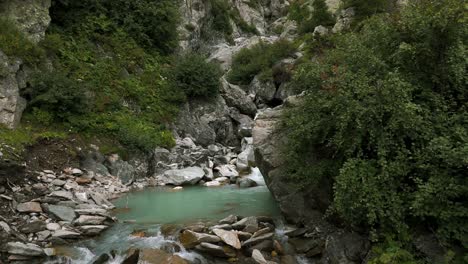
207,121
236,97
187,176
190,239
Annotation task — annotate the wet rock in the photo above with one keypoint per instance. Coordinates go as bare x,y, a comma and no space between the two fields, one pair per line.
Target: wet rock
223,226
190,239
228,220
265,246
76,172
92,230
89,220
18,248
253,241
215,250
33,227
92,211
247,183
248,224
296,232
64,213
132,256
228,237
5,227
29,207
262,232
311,247
288,259
190,175
157,256
65,234
259,258
212,184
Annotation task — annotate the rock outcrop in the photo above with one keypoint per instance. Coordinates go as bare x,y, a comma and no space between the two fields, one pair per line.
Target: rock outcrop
32,18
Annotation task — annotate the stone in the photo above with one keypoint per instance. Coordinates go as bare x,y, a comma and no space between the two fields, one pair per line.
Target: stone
81,196
62,194
262,232
228,171
101,200
247,224
222,180
304,245
64,213
253,241
29,249
43,235
89,220
231,219
186,143
344,20
125,171
236,97
212,184
265,90
258,257
53,226
131,256
320,31
228,237
76,172
58,182
32,227
29,207
246,159
65,234
157,256
215,250
190,239
5,227
83,180
243,235
190,175
247,183
92,230
50,252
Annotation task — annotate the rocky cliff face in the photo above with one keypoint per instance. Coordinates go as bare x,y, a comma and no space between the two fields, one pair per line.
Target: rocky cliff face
32,18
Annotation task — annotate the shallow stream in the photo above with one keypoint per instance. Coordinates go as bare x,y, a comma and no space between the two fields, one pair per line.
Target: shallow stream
154,209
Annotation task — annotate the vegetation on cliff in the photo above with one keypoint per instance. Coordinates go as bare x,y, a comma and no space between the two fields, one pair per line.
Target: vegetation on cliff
385,117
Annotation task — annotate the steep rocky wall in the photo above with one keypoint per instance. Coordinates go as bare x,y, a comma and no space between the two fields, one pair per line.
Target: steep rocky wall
32,18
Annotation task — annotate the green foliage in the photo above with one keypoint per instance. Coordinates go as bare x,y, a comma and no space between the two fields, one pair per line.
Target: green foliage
385,118
259,59
54,95
14,43
152,24
195,76
392,252
220,16
365,8
310,14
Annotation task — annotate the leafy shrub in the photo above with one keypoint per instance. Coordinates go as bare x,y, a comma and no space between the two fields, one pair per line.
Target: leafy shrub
57,94
259,59
195,76
385,118
364,8
14,43
220,16
309,15
152,24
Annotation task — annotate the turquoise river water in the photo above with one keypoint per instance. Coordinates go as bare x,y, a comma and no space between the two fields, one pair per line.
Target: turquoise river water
152,208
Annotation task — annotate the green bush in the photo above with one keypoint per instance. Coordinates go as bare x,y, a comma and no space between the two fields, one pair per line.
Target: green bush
259,59
14,43
57,94
385,118
309,15
364,8
195,76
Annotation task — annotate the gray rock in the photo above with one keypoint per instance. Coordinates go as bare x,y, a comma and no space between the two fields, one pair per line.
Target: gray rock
18,248
5,227
62,194
345,247
120,168
43,235
65,234
215,250
344,20
259,258
92,230
228,171
247,183
265,91
101,200
58,182
190,175
320,31
33,227
236,97
190,239
53,226
255,240
89,220
29,207
247,224
64,213
231,219
228,237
